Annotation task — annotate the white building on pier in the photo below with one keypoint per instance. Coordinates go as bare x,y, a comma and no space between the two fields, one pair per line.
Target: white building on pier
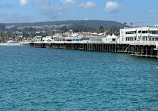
139,34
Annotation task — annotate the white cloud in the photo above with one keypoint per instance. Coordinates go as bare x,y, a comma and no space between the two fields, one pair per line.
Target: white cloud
53,11
45,8
23,2
73,3
67,1
88,4
112,6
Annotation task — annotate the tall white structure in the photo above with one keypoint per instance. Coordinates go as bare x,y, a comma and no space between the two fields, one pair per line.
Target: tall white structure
139,34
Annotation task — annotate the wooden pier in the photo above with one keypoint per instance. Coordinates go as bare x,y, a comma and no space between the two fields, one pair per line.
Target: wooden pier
149,49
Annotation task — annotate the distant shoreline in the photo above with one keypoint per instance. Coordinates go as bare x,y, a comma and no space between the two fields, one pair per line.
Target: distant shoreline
10,44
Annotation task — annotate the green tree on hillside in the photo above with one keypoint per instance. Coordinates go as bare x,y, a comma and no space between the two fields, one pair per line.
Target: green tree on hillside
84,29
3,36
110,31
101,29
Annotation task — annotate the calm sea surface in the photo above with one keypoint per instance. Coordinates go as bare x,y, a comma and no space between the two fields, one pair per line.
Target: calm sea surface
67,80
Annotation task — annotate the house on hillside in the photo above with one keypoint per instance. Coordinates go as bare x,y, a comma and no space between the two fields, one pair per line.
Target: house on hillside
37,39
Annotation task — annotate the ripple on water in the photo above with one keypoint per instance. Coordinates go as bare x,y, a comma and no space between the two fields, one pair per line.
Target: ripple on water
48,79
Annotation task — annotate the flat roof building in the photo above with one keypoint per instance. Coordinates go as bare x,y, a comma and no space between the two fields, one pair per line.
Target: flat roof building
139,34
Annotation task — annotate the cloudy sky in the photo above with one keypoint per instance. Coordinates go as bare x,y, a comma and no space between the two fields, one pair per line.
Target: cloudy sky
51,10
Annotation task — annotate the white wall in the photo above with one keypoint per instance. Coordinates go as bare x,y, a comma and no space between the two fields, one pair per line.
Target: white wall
141,34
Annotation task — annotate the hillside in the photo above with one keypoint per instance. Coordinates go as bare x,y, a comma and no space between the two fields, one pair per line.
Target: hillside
91,24
2,27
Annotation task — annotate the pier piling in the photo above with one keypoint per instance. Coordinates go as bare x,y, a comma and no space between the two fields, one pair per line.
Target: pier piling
138,50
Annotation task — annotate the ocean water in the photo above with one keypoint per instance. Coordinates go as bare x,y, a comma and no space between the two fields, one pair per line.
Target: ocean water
34,79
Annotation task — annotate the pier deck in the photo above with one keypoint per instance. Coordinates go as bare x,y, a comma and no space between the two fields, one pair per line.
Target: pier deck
142,49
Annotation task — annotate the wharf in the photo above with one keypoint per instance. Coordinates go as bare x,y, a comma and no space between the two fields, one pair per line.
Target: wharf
142,49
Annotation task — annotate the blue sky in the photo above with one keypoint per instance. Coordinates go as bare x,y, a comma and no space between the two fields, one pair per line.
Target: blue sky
52,10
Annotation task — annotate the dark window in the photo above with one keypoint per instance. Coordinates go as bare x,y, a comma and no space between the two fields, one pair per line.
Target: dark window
143,32
154,32
113,39
131,32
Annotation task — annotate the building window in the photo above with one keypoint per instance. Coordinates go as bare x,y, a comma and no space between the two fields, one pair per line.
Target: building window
131,32
154,32
144,32
130,39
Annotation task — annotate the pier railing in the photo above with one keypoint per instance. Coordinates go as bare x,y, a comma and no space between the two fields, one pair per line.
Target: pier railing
139,42
100,42
69,42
